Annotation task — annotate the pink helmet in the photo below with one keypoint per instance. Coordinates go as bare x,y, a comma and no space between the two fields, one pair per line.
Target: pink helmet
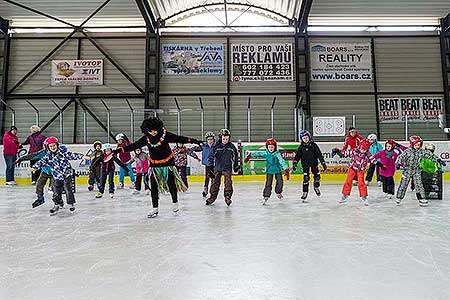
50,140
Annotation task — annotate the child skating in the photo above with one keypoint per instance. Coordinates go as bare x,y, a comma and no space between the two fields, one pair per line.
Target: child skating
409,162
359,159
275,166
309,154
224,157
95,173
59,162
125,157
162,172
142,166
107,169
388,157
206,152
181,153
375,147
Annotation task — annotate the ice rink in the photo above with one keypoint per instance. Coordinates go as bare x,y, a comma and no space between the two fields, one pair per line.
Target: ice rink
285,250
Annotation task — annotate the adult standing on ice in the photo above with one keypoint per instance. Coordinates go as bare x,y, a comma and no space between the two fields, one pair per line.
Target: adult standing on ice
36,141
162,171
11,146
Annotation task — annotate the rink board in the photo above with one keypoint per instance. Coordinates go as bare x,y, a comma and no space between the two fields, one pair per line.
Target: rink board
254,170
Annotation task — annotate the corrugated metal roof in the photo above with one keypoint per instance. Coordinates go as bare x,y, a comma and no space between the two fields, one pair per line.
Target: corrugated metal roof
378,12
117,12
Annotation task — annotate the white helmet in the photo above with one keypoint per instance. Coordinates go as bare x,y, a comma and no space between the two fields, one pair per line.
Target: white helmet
372,136
120,136
430,147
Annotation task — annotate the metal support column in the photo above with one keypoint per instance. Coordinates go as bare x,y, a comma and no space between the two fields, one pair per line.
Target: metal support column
4,59
36,112
445,63
108,119
61,121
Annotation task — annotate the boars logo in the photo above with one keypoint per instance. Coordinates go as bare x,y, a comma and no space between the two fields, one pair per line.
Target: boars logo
318,48
64,69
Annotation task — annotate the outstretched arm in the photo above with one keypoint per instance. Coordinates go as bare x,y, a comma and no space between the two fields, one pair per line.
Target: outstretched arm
131,147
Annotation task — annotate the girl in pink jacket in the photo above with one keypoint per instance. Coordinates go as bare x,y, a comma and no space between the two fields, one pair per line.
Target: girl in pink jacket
388,158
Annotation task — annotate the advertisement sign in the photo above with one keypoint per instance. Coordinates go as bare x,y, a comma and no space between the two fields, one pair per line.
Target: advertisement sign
262,62
328,126
418,109
77,72
341,61
192,59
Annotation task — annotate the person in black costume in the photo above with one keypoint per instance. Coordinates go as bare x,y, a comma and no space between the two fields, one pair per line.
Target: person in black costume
162,171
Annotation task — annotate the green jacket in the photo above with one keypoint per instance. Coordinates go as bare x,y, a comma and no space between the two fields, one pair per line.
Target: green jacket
274,161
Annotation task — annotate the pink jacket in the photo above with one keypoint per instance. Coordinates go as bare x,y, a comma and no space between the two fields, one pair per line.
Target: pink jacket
10,144
389,163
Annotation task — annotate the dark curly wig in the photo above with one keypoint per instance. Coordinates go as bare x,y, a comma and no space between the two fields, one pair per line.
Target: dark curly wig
151,124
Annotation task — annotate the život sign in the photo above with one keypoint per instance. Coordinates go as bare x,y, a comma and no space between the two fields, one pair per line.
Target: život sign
77,72
192,59
262,62
418,109
341,61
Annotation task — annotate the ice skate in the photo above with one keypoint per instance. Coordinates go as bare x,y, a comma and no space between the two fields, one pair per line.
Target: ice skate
398,201
90,188
379,183
423,202
38,201
175,207
99,195
54,210
147,192
135,192
209,201
204,194
121,185
33,183
228,201
364,201
111,195
367,183
355,183
72,208
11,183
153,213
317,190
304,196
265,199
343,199
280,196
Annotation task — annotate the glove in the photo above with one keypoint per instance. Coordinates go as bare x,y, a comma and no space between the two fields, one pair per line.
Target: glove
324,165
247,158
211,173
442,162
16,142
294,165
381,166
287,173
33,170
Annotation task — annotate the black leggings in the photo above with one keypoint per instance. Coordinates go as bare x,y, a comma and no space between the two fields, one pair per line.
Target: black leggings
388,185
155,190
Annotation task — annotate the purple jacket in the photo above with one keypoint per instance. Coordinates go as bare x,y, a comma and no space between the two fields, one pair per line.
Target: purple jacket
36,142
389,163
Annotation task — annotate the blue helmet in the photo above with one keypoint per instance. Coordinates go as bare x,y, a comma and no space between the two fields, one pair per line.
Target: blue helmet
305,133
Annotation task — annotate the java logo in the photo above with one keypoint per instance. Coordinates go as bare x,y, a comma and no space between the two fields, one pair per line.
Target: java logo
211,57
64,69
318,48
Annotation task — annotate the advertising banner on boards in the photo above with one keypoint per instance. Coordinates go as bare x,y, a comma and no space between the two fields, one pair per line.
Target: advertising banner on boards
418,109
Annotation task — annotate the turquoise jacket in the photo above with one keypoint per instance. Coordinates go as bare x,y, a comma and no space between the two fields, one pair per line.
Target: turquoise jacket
375,148
274,161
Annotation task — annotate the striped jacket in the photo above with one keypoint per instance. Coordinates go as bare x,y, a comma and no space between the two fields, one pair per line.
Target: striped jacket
359,160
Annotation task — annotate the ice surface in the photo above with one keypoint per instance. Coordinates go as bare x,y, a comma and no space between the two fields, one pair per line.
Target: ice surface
109,249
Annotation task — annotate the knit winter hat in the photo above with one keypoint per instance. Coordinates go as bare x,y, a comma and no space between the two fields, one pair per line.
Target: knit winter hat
35,128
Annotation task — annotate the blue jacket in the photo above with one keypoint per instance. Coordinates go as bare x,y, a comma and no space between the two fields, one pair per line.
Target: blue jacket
59,162
375,148
206,152
275,163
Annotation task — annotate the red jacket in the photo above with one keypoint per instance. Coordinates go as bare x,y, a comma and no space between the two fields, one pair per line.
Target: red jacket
10,144
352,142
124,156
